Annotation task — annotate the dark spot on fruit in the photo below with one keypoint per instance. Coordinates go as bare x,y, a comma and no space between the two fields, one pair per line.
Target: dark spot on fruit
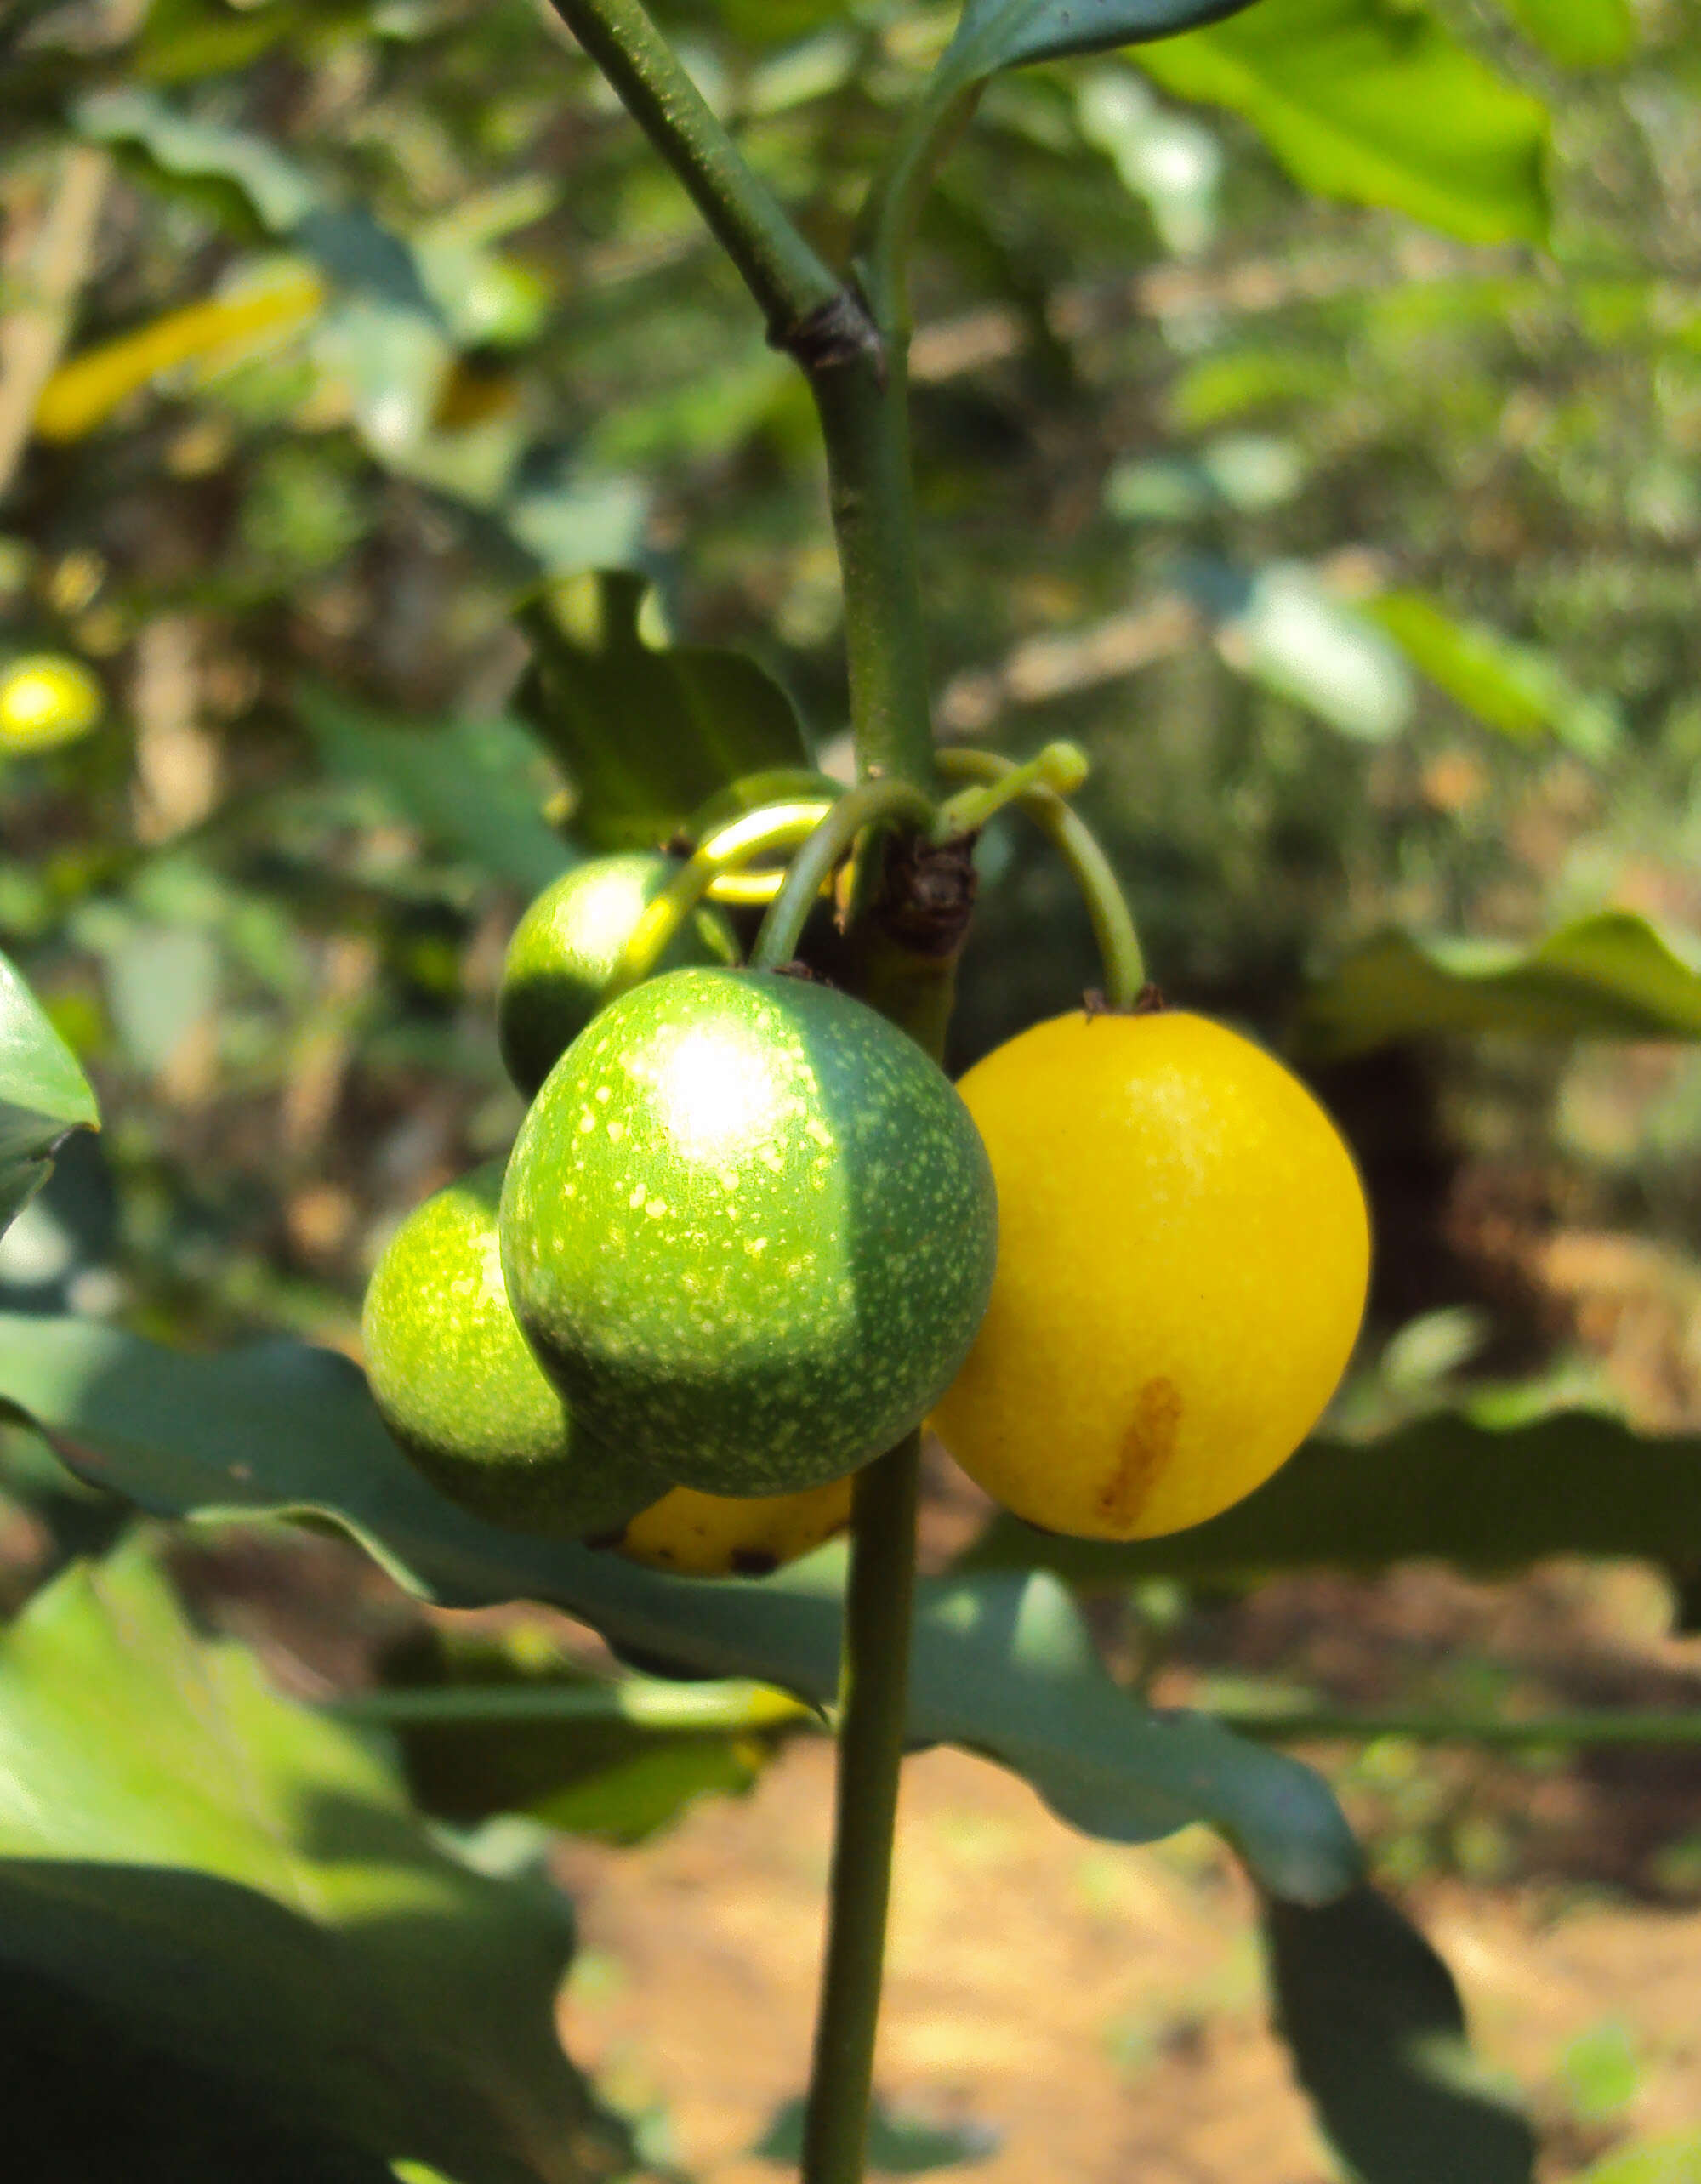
755,1562
1147,1448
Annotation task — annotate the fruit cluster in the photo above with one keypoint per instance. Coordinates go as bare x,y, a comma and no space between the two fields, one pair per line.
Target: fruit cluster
750,1236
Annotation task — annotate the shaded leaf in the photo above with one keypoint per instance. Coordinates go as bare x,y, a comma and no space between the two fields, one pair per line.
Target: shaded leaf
1374,101
472,785
613,1762
43,1094
996,34
1002,1664
231,1888
277,192
1519,688
1374,2022
1611,976
647,735
1458,1489
898,2146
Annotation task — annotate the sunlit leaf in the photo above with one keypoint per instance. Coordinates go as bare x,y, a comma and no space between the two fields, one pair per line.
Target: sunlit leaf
1374,101
43,1094
83,393
1519,688
1611,976
279,193
218,1903
1374,2021
1003,1664
646,733
1297,638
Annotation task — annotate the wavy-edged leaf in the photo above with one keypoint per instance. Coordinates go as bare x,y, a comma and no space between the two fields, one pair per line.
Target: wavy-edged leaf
998,34
645,734
1457,1488
1377,2034
1375,102
277,193
1610,976
1519,688
472,785
229,1891
1002,1664
43,1094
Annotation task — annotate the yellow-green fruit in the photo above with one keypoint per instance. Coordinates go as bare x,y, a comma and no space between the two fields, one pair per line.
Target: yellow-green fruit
698,1535
566,947
457,1387
46,699
1183,1255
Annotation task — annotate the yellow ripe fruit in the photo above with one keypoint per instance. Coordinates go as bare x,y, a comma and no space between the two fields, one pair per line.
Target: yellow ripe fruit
697,1535
47,699
1183,1255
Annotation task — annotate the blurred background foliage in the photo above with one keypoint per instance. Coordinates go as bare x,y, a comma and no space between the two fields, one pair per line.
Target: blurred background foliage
1308,414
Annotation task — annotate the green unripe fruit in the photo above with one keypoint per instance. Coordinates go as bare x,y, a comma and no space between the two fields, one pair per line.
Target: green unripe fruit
457,1387
566,947
749,1228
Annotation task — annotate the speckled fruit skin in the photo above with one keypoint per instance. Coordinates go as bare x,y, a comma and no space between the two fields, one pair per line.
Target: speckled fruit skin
734,1535
565,950
457,1387
749,1230
1183,1256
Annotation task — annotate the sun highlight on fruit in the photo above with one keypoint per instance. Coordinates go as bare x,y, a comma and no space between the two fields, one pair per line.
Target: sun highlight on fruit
459,1389
1184,1251
566,948
749,1228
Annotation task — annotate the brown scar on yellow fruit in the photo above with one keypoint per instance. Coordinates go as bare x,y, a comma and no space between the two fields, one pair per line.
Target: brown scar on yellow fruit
1146,1446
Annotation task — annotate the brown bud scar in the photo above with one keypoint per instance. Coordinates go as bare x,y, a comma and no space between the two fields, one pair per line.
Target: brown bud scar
1147,1448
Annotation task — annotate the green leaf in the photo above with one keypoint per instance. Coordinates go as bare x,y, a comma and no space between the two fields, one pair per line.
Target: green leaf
1374,2021
1455,1489
1002,1664
230,1890
1611,976
898,2146
612,1763
274,193
471,785
645,734
1374,101
1519,688
43,1094
1579,33
997,34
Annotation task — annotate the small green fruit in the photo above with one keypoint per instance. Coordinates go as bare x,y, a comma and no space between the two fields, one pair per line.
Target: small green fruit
457,1387
565,949
749,1228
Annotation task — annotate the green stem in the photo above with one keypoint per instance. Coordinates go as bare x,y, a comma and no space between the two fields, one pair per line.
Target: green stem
878,1610
863,404
1113,927
831,840
1598,1726
888,219
775,827
789,281
1060,768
